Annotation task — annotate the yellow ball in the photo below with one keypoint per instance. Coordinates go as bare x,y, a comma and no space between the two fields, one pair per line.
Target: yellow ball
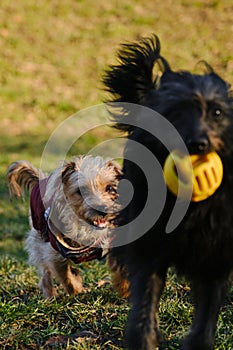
195,176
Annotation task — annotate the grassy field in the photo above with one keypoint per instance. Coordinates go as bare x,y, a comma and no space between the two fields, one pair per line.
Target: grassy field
53,54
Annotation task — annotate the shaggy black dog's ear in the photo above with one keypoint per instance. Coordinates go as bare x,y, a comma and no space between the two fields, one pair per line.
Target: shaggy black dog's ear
132,78
67,170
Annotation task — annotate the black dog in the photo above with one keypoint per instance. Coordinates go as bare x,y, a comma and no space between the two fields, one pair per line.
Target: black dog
201,248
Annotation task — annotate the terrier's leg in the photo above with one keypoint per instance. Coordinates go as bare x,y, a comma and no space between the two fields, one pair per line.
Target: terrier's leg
68,277
46,283
39,253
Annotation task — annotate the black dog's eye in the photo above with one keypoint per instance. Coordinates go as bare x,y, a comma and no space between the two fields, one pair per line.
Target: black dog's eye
110,189
217,113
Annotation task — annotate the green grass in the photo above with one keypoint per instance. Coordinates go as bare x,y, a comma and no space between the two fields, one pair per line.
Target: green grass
53,55
28,321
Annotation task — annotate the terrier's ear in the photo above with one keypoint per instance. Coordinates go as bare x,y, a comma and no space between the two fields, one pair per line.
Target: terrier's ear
68,169
117,168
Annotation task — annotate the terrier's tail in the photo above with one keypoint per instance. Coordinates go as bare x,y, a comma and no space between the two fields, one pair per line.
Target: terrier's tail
21,176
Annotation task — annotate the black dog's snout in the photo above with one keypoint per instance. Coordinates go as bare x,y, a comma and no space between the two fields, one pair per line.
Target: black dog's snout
198,146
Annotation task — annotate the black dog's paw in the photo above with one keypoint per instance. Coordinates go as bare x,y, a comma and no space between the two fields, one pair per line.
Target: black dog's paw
195,342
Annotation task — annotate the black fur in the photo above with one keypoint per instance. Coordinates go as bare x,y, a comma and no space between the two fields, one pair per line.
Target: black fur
200,106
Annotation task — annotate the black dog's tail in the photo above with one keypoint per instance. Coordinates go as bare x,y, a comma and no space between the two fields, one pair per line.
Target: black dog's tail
22,175
132,78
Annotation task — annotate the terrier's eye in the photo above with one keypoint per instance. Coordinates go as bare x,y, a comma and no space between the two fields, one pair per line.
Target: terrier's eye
78,192
110,189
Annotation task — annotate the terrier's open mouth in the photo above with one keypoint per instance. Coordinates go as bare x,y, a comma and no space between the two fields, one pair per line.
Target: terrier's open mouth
100,223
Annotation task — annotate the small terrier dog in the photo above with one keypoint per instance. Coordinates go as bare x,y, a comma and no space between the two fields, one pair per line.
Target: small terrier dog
72,212
200,108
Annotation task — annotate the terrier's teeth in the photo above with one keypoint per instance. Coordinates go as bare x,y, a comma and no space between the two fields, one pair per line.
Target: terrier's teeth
100,223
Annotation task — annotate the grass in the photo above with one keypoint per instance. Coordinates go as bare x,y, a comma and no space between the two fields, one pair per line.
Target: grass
52,57
28,321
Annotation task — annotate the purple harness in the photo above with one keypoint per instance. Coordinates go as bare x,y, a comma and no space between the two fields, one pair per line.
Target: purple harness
40,218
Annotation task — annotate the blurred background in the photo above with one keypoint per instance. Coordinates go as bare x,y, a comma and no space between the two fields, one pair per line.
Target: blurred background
53,55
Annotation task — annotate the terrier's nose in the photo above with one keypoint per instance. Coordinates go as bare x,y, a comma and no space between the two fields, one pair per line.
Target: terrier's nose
101,209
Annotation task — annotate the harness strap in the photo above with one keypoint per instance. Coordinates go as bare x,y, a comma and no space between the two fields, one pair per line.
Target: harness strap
77,255
41,222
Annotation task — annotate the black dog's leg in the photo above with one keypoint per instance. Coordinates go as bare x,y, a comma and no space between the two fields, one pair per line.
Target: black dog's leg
209,298
143,326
